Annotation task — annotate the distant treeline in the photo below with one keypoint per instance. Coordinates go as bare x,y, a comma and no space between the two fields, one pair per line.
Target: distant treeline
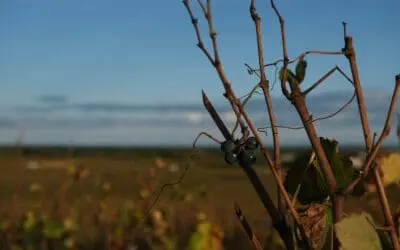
59,151
165,152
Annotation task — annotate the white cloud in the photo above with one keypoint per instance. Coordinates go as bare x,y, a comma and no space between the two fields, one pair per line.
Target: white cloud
108,123
195,117
228,117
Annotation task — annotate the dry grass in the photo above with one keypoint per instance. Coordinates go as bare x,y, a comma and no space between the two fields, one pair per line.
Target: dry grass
210,187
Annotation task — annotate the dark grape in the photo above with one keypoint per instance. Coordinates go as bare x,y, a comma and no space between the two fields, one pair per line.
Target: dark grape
251,143
246,157
230,157
228,146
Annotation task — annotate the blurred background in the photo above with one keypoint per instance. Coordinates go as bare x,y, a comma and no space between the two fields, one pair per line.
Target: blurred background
100,102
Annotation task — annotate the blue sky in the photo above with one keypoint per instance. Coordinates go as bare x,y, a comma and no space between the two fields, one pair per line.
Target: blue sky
128,72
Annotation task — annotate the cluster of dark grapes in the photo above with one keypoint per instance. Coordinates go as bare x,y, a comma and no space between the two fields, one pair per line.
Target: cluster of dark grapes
243,153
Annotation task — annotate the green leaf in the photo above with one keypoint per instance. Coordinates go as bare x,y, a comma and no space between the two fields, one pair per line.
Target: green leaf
15,247
169,244
383,236
276,240
312,180
385,241
196,242
281,74
328,244
29,222
357,232
342,167
325,241
201,239
301,70
35,236
290,77
53,229
312,189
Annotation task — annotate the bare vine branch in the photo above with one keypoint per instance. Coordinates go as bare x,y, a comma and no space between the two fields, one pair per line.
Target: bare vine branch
299,103
285,60
246,226
249,96
216,62
302,55
370,148
315,52
298,99
384,134
239,110
322,79
264,84
343,107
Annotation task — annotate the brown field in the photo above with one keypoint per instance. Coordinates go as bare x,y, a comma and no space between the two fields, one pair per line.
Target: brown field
95,201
